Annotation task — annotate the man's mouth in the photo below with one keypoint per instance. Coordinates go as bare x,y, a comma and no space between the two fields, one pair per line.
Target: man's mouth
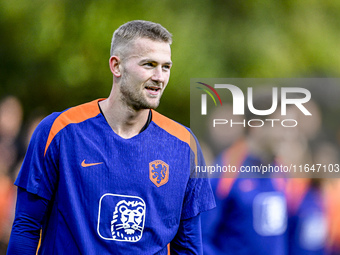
153,89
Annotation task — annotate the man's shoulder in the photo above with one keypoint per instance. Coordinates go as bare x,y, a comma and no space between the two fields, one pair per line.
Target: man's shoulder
177,131
79,113
51,125
75,114
172,127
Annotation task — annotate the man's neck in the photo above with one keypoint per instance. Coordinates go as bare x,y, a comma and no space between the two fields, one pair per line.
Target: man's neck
123,120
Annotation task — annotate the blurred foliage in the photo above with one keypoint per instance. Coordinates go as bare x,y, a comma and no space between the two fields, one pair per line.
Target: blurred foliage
54,54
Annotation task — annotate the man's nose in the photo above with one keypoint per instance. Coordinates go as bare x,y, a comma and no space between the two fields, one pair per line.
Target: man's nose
158,75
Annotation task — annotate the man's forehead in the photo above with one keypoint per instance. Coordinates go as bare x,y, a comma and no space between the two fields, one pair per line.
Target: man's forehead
144,46
147,41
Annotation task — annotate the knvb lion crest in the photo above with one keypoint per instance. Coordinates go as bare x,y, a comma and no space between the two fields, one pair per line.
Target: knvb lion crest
128,221
121,217
159,172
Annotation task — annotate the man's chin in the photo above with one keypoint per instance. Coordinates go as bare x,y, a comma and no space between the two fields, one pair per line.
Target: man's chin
153,106
147,105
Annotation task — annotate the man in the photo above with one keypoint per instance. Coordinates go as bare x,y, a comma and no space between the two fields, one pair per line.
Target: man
113,176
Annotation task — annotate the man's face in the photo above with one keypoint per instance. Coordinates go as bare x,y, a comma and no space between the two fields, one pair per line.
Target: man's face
145,72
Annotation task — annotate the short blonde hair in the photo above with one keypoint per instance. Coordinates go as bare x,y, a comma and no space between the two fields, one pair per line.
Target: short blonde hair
132,30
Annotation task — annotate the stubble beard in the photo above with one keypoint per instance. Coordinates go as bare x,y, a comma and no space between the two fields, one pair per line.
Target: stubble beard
135,98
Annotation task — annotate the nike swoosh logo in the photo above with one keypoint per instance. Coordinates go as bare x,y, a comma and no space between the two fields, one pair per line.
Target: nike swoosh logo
83,164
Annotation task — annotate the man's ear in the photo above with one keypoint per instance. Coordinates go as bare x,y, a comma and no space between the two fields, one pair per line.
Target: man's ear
115,66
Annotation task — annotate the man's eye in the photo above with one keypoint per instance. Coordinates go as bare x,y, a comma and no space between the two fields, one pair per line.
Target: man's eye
166,67
148,64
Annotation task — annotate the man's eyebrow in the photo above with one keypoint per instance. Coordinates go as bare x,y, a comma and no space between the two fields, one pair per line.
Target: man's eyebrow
146,60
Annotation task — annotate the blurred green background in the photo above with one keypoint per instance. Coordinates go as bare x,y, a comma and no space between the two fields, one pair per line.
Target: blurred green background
54,54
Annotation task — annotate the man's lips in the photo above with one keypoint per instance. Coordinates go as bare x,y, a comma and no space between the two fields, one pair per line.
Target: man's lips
153,90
